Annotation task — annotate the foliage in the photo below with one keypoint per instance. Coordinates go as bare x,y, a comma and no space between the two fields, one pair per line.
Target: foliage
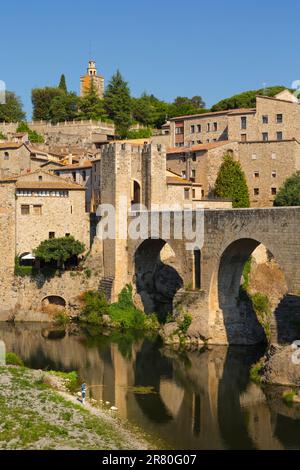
13,359
95,306
288,396
117,103
62,84
185,323
261,307
42,99
2,136
231,183
246,273
144,133
256,372
64,107
247,99
33,136
289,193
70,379
88,273
61,318
12,110
91,106
59,249
123,313
182,106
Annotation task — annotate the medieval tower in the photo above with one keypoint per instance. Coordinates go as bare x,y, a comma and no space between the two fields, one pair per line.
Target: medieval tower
91,75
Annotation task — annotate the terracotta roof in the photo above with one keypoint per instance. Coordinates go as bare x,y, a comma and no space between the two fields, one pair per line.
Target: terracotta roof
48,185
11,145
77,166
197,148
242,111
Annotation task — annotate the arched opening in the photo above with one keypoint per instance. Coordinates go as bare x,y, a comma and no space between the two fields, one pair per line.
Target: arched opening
53,304
156,280
250,285
136,200
26,259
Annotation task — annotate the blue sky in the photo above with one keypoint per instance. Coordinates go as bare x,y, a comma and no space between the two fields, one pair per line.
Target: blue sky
169,48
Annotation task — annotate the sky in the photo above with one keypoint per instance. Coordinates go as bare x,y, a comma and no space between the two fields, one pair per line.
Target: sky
166,47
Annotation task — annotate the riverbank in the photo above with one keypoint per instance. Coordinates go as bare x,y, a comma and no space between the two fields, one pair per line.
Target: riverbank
35,416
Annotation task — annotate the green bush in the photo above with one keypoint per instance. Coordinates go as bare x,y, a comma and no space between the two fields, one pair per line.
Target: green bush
255,372
95,306
144,133
33,136
70,379
185,323
13,359
288,397
61,319
88,273
261,307
2,136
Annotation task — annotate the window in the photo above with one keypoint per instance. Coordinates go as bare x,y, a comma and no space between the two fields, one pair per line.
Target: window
74,175
208,127
202,193
183,159
194,158
6,156
25,209
37,210
265,136
215,126
51,235
183,174
256,174
199,128
243,122
40,178
274,174
265,119
199,142
244,137
256,191
279,135
193,174
84,175
194,193
273,156
179,130
67,235
192,129
273,191
193,142
186,193
279,118
254,156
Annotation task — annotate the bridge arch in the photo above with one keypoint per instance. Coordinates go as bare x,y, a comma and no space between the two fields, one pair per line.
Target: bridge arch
241,325
156,276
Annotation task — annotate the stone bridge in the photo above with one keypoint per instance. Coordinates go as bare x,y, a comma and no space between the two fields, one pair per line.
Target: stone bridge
206,282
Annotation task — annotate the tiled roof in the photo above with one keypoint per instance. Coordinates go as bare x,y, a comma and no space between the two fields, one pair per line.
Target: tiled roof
198,147
77,166
11,145
48,185
215,113
242,111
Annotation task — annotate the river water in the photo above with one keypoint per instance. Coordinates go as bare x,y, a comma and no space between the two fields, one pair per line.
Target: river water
189,400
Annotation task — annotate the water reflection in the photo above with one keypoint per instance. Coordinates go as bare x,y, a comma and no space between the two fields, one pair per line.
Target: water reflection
200,399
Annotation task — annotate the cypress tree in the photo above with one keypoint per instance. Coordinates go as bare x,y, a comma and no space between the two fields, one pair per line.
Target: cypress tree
289,193
231,183
117,103
62,84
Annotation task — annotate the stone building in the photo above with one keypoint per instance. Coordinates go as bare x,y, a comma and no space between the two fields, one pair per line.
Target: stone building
265,140
46,206
80,173
92,76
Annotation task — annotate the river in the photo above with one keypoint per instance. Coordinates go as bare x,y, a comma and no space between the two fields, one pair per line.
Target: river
188,400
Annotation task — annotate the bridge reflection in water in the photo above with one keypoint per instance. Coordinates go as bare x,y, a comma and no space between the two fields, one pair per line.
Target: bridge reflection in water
201,399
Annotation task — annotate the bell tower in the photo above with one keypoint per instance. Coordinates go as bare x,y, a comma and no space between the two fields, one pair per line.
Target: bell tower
92,75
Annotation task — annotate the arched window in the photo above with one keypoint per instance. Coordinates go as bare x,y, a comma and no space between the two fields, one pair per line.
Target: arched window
6,156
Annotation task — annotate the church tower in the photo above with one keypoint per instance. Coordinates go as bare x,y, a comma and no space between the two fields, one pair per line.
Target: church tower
92,75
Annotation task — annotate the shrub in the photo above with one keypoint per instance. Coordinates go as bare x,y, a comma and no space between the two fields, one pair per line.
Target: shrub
255,372
33,136
261,307
13,359
288,396
2,136
61,318
88,273
70,379
185,323
95,306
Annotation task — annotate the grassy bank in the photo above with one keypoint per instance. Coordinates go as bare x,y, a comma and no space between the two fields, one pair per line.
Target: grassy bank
35,416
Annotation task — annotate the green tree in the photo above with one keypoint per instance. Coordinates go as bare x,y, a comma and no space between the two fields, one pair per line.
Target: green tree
62,84
231,183
289,193
12,110
91,106
117,103
41,100
182,106
247,99
33,136
59,250
149,110
64,107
